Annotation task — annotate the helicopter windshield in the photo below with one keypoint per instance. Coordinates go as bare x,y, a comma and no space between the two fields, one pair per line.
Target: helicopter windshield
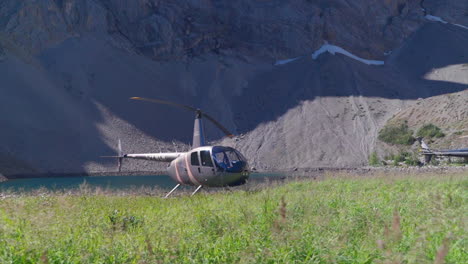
228,159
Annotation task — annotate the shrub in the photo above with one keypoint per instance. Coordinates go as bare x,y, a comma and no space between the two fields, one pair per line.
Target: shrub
434,162
412,160
124,221
389,157
401,156
407,158
374,159
430,131
397,134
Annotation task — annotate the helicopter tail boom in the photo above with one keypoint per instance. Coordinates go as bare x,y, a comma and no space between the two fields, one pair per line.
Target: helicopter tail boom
163,157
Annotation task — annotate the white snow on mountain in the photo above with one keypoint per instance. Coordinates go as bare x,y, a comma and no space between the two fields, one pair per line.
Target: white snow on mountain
332,49
438,19
281,62
435,19
462,26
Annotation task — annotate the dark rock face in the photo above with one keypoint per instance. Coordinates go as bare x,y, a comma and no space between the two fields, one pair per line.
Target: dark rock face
172,30
269,29
452,11
2,54
69,66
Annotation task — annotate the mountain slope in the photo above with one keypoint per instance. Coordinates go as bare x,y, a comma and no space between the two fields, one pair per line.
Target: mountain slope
67,71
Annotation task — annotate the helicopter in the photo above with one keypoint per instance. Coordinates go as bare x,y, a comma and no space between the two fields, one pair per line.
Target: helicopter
202,166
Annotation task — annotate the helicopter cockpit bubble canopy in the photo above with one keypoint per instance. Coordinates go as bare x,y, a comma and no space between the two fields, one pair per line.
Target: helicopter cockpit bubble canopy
229,159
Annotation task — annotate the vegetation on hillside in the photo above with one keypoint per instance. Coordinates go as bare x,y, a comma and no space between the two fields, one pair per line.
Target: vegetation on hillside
396,134
405,157
385,219
374,159
430,131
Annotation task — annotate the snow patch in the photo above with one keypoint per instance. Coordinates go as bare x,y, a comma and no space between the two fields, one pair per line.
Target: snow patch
462,26
332,49
281,62
435,19
438,19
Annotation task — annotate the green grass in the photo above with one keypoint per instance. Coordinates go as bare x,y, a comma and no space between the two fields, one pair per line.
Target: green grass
344,219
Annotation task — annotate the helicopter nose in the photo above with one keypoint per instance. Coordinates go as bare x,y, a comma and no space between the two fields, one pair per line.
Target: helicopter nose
238,167
241,178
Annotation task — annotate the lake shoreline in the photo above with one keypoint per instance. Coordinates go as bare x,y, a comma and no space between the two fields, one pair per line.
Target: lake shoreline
296,172
80,174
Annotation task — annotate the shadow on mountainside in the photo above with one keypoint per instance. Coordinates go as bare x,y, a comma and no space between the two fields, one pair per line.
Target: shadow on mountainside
274,92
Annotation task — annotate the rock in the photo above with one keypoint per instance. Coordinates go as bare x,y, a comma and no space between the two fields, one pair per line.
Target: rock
172,30
2,54
451,11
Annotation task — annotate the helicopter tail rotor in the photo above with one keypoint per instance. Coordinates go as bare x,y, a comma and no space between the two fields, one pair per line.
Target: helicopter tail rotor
120,156
120,159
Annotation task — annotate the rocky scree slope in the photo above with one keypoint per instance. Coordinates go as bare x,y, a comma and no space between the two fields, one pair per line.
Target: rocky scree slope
448,112
67,68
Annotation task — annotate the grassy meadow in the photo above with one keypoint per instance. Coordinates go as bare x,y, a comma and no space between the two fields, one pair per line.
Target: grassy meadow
340,219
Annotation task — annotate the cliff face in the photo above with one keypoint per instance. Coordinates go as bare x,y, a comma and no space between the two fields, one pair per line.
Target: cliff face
271,29
165,30
67,68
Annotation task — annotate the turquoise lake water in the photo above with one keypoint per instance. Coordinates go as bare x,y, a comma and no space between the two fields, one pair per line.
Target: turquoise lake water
111,182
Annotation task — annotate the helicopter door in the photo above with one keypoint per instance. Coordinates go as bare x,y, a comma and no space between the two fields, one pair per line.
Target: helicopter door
207,167
195,162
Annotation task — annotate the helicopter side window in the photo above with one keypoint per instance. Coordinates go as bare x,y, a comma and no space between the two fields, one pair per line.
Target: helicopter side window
233,157
194,159
221,159
206,158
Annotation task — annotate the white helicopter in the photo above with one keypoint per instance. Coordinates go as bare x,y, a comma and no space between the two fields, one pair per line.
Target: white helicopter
210,166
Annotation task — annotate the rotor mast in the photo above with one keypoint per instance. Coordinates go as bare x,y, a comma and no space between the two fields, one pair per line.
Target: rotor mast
198,133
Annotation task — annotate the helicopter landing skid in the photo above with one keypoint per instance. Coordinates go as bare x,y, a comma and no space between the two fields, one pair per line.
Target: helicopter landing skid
198,188
169,193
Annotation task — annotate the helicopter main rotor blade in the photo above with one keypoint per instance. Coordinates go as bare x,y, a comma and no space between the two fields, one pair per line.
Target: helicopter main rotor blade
217,124
164,102
158,101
